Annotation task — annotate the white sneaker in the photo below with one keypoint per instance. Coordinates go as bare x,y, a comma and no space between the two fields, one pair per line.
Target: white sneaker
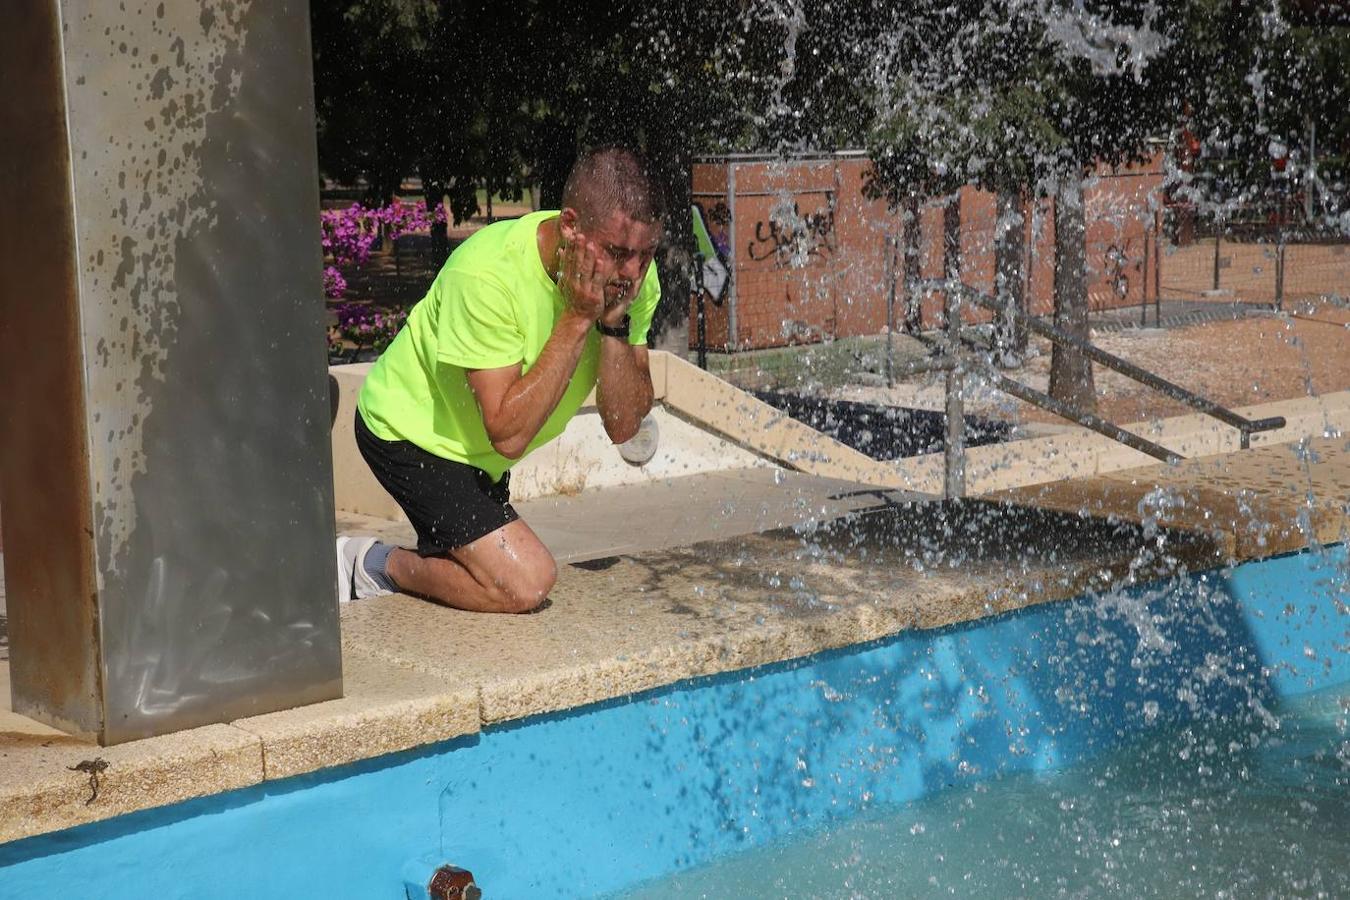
354,583
346,566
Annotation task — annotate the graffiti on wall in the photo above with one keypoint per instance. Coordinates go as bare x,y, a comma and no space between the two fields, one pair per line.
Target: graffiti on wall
793,239
1117,264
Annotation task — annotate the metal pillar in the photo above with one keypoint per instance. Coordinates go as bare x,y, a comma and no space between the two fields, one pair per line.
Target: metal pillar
888,244
733,335
954,453
1283,192
165,471
954,444
1143,284
1218,237
1157,268
701,323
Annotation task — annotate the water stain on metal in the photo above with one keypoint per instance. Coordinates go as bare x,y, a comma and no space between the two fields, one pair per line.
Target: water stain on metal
136,318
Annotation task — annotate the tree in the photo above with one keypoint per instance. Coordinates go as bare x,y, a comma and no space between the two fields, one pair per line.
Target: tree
1024,98
962,102
367,80
445,92
1275,81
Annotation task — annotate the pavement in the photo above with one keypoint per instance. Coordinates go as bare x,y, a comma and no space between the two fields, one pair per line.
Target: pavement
706,574
721,571
677,512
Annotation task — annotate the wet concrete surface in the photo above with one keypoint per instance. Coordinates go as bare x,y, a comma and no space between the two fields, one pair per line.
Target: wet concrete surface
853,564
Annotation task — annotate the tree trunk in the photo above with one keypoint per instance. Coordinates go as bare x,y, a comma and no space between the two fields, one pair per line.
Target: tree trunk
1070,371
912,244
1010,337
951,238
951,250
554,150
433,195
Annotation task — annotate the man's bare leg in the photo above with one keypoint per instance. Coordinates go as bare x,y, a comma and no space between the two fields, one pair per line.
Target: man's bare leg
508,570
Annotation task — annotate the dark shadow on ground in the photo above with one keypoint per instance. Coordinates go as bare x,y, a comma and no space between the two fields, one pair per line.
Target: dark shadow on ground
1009,555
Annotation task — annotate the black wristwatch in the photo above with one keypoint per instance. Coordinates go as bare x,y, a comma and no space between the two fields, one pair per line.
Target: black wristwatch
618,332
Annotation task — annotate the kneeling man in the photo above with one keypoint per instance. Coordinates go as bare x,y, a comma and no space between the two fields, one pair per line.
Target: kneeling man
524,319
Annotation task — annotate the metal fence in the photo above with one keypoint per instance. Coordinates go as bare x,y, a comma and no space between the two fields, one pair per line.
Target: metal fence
1266,252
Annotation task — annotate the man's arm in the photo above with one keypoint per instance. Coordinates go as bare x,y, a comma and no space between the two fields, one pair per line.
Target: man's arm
624,390
515,406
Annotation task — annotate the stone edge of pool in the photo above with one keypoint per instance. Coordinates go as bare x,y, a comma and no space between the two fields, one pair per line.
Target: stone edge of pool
416,674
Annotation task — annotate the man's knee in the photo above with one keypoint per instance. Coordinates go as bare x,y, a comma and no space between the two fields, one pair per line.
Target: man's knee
525,588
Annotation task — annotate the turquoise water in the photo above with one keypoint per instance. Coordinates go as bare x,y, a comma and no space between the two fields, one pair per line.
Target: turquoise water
1256,808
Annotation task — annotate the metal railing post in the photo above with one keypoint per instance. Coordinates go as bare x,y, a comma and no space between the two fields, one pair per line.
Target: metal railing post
888,247
1218,228
954,447
1279,247
1244,425
701,320
1157,268
1143,286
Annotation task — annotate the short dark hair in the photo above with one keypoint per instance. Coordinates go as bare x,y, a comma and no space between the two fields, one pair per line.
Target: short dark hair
613,177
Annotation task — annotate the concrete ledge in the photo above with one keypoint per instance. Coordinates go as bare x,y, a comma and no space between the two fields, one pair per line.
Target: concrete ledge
631,623
1070,454
1263,502
355,489
582,458
1081,453
47,780
385,710
708,424
45,775
729,411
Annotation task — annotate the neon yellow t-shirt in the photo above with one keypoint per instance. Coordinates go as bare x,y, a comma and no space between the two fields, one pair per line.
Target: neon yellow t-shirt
491,305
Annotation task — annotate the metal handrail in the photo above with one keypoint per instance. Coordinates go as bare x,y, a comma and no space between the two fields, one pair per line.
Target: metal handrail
1036,398
1073,413
950,347
1246,427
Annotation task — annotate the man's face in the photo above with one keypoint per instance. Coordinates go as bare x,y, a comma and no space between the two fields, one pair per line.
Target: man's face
626,247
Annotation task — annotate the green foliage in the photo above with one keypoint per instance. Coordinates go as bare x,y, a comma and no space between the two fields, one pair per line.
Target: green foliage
454,94
1012,95
1273,73
446,92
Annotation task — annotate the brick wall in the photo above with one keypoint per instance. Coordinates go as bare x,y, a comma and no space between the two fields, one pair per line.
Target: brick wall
807,250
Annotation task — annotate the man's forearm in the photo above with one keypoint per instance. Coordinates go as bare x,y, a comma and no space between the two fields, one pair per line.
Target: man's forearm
533,397
623,390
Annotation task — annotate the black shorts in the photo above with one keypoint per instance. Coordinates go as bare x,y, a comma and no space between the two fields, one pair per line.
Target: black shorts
449,504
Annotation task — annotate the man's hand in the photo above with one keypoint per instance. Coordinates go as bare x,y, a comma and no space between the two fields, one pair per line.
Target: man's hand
600,278
582,279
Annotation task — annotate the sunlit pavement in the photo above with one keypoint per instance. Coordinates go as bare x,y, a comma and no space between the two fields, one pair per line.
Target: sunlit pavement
708,591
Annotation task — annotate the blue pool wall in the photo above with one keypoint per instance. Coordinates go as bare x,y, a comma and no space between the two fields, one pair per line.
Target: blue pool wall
593,800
